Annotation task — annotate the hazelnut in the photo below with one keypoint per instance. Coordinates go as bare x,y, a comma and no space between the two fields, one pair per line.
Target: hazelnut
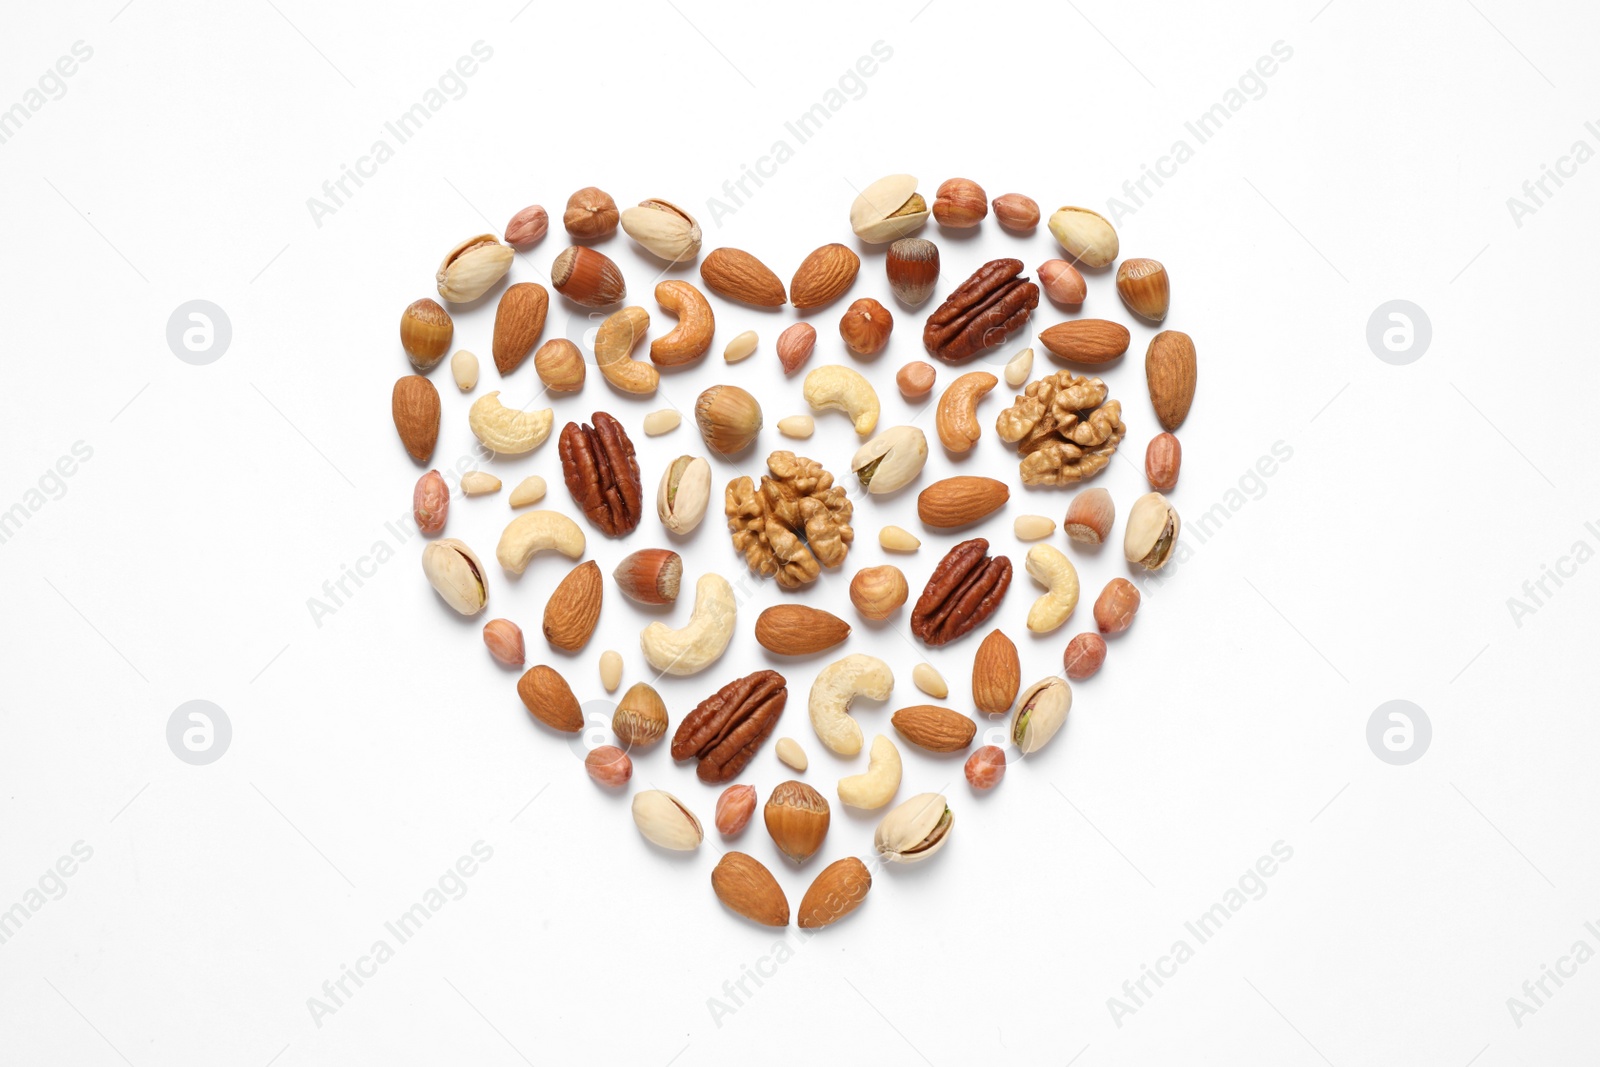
797,818
865,327
591,214
878,592
1016,212
1162,459
1143,286
916,379
609,765
913,268
960,203
650,575
1089,517
1084,655
1115,607
425,332
729,419
734,808
641,716
1062,282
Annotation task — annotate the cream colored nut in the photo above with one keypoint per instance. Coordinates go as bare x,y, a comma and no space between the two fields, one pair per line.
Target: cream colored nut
836,686
472,266
537,531
478,483
837,388
683,494
1050,567
659,422
530,490
915,830
957,415
877,787
895,539
456,575
663,229
888,209
1033,527
1018,368
663,820
464,369
1152,532
892,460
797,426
1086,235
611,669
930,681
1041,710
507,431
614,343
790,753
741,347
699,644
691,338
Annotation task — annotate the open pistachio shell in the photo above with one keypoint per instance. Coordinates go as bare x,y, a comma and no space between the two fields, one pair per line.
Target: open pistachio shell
888,209
664,230
1152,532
456,575
472,266
1041,711
915,830
891,460
663,820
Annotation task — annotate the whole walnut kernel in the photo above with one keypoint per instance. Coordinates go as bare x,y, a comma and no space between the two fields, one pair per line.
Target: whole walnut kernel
791,525
1064,427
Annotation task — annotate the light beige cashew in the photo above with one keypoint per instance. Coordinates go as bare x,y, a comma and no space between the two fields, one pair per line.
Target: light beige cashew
537,531
957,415
702,642
878,786
836,686
837,388
1048,566
614,342
507,431
691,338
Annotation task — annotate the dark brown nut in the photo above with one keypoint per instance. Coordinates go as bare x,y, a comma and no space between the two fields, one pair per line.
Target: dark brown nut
964,590
1162,459
591,214
727,728
793,524
1083,657
1064,427
865,327
913,268
1116,605
983,312
602,474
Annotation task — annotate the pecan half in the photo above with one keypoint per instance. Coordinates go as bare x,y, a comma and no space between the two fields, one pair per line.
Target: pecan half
724,732
984,310
964,590
602,474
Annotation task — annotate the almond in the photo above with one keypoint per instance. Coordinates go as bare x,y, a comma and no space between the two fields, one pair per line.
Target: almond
518,322
588,277
1092,341
824,276
549,699
798,630
1169,370
737,275
650,575
934,728
960,501
574,607
838,890
747,887
415,405
996,674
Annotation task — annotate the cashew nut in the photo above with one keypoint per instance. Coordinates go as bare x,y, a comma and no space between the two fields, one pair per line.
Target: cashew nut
877,787
957,417
508,431
1049,567
614,342
836,686
690,339
837,388
702,642
534,532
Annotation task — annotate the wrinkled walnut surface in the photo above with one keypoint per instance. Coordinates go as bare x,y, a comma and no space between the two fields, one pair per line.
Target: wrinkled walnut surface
963,591
727,728
793,524
1064,427
602,474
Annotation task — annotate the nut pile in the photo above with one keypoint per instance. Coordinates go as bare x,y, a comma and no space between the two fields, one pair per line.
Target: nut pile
796,523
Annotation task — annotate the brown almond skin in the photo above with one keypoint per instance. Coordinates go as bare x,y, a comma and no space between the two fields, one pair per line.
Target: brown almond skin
934,728
748,888
961,501
799,630
824,276
735,274
518,322
415,407
573,609
996,674
1087,341
837,891
1169,372
549,699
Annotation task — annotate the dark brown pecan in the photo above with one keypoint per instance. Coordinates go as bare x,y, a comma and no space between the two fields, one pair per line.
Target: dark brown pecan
724,732
964,590
602,473
984,310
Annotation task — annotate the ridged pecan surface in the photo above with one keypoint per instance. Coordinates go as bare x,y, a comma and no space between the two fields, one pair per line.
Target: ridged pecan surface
602,474
964,590
727,728
984,310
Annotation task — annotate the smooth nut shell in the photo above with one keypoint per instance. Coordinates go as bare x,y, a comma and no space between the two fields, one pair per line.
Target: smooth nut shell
1145,288
640,717
797,817
425,332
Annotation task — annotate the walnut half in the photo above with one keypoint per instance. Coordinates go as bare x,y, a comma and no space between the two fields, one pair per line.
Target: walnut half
793,524
1064,427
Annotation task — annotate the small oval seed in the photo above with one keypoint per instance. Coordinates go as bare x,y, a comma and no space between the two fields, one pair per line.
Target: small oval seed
930,681
790,752
1033,527
741,347
800,426
528,491
659,422
1019,368
464,368
477,483
894,539
610,670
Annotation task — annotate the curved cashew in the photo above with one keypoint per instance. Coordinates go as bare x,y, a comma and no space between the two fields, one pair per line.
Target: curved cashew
839,683
613,345
702,642
690,339
1049,567
877,787
534,532
508,431
837,388
957,417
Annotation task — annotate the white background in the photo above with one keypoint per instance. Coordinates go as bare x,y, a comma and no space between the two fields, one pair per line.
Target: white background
371,751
